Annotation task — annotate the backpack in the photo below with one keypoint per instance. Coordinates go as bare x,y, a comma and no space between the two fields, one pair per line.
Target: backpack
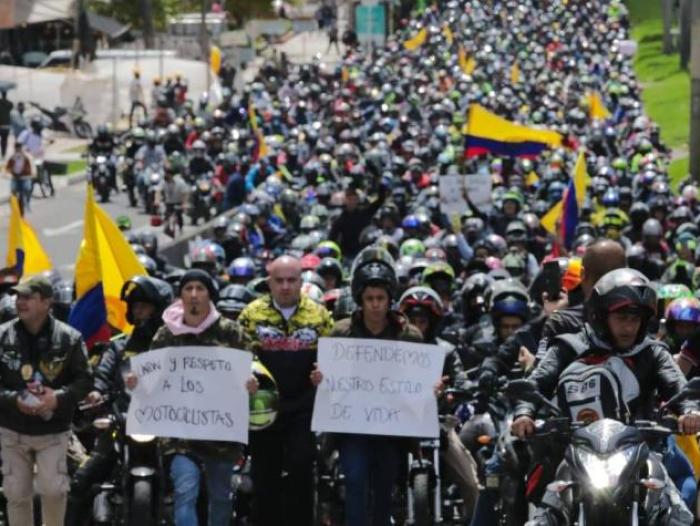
594,387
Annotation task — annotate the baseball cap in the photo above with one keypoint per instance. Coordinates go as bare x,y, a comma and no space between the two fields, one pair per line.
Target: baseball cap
38,284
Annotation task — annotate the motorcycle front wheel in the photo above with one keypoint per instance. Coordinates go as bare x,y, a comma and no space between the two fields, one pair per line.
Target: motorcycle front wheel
83,129
421,500
141,506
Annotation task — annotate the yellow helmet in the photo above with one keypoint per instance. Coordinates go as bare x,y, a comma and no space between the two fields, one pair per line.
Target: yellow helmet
265,402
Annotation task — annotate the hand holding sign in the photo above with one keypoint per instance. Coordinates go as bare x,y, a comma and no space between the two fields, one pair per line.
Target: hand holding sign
198,393
377,387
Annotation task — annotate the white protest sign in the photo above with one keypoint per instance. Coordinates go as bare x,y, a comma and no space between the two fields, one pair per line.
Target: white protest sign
478,188
194,393
452,195
628,47
377,387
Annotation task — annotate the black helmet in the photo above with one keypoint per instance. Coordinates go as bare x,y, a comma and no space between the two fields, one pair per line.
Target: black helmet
233,299
618,289
373,266
344,306
508,297
330,266
146,289
63,296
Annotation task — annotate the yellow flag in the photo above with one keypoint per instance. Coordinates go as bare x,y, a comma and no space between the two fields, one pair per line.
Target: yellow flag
466,63
417,41
24,251
105,258
581,179
597,109
449,37
550,219
263,150
532,179
215,59
344,75
515,73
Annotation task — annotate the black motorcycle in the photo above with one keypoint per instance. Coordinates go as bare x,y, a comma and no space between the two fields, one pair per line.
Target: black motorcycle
101,177
611,473
75,117
134,495
202,199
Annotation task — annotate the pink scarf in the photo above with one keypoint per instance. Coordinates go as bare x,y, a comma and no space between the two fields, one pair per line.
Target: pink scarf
174,318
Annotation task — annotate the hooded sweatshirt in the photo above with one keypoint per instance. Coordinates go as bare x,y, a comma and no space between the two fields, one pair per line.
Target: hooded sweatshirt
216,331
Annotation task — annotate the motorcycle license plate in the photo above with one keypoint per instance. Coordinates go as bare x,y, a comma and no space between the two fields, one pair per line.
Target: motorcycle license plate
493,481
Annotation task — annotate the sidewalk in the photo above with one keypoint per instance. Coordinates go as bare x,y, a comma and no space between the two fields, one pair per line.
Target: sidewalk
62,150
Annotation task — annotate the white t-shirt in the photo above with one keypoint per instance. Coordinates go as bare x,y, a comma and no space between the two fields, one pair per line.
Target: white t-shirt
287,312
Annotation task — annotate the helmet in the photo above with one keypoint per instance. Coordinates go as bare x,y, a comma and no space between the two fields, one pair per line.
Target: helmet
372,267
516,232
8,307
233,299
63,295
344,306
309,223
669,292
148,263
436,270
329,249
508,297
331,266
423,298
412,247
313,291
683,309
241,268
123,222
619,289
652,228
207,253
264,403
146,289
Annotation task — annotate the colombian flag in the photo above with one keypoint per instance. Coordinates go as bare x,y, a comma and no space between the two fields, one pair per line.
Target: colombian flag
447,32
466,63
105,261
573,200
261,149
24,251
486,132
597,109
417,41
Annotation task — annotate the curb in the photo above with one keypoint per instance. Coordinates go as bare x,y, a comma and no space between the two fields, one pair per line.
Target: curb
70,180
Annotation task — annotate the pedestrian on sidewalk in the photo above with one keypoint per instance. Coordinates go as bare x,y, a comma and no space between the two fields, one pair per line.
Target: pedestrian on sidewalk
5,121
333,37
19,167
18,122
136,96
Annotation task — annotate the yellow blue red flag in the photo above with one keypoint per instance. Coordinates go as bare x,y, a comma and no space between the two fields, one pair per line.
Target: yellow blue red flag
105,262
24,251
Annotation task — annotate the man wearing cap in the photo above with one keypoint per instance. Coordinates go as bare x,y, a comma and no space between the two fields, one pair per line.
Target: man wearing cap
194,321
44,372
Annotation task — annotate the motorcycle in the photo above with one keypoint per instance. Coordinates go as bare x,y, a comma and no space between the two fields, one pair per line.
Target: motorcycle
135,493
78,126
432,496
151,190
611,473
126,168
101,176
202,199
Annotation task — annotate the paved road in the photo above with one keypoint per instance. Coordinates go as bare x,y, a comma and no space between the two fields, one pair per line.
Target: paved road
58,222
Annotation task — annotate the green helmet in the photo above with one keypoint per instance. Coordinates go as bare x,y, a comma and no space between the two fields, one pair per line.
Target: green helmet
412,247
329,249
437,269
123,222
264,403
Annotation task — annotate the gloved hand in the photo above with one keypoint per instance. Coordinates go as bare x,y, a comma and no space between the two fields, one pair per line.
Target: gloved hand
488,381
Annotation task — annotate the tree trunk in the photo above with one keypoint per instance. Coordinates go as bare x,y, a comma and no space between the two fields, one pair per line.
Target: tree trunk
148,34
684,24
667,12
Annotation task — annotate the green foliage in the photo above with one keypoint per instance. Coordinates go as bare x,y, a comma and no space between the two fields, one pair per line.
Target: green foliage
666,87
678,171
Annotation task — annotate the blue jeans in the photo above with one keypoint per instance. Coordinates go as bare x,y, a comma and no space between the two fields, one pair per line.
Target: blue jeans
22,188
185,475
370,465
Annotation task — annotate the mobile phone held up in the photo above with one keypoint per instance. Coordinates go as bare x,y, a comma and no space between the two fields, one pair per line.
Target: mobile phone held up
552,279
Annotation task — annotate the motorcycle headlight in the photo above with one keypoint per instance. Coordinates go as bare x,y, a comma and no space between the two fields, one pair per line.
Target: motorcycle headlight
604,472
142,438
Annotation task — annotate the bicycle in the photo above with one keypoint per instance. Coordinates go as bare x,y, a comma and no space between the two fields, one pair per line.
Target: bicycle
42,177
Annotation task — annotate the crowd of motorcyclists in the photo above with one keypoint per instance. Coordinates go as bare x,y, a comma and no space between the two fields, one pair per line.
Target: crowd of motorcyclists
567,394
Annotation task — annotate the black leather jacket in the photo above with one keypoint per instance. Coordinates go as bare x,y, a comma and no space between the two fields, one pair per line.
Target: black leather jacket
650,362
59,354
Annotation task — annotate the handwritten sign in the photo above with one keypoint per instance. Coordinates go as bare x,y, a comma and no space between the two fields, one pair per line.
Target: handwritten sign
452,195
478,188
377,387
194,393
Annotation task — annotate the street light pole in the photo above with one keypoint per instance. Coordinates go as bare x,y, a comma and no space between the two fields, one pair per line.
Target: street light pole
695,91
76,33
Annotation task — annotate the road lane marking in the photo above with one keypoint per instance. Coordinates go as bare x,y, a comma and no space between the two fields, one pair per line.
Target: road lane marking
61,230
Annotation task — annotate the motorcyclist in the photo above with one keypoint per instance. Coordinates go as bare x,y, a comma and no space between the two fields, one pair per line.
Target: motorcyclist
621,305
146,298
